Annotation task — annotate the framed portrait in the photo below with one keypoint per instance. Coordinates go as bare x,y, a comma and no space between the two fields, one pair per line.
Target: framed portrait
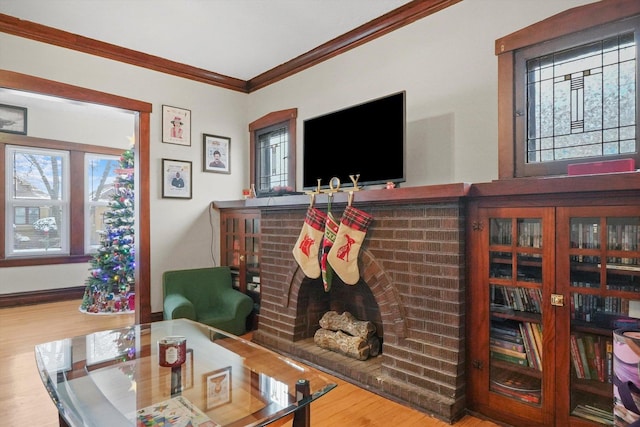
176,179
176,125
216,153
13,119
217,387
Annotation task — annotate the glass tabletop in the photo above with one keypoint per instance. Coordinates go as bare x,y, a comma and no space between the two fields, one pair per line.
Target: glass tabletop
175,372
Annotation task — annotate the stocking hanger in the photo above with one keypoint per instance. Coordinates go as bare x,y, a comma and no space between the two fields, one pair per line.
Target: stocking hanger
334,186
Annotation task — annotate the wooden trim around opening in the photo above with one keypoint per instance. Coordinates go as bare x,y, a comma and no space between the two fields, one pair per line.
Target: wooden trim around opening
387,23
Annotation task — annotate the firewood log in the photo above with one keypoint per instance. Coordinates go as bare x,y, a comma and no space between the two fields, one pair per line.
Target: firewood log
355,347
345,322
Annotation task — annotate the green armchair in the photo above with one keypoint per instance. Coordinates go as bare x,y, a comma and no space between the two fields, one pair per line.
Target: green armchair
206,295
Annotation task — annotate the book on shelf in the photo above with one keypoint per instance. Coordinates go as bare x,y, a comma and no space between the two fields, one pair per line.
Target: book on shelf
583,358
576,361
515,339
508,351
506,344
590,352
508,358
594,414
506,327
529,342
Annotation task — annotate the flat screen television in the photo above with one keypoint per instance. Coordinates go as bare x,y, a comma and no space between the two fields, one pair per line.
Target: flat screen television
366,139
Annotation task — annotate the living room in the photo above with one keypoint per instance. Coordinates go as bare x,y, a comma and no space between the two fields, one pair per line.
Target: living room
445,62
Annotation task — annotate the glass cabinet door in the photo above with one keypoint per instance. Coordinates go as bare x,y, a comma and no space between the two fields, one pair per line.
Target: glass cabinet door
604,291
251,245
515,307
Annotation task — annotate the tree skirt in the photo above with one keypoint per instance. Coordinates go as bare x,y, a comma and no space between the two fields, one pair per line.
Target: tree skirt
109,304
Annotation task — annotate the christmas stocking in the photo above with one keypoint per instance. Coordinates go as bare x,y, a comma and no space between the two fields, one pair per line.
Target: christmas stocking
330,232
306,249
343,255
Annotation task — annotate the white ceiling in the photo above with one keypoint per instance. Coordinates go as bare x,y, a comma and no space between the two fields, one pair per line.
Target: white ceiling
236,38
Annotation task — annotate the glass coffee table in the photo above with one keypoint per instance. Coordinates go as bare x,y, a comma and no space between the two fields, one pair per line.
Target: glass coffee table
175,373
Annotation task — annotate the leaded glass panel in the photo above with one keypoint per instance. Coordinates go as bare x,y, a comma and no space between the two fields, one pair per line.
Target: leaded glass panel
581,102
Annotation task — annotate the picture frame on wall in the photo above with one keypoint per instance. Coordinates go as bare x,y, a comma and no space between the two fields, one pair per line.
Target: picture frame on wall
216,155
13,119
176,125
217,387
176,179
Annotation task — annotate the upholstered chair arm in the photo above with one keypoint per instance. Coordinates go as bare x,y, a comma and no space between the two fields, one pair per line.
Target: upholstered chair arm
236,302
177,306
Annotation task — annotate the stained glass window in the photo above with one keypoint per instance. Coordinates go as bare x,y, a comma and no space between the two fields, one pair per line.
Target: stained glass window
581,102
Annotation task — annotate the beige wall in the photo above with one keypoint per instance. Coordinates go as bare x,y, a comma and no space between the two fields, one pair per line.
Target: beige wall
445,62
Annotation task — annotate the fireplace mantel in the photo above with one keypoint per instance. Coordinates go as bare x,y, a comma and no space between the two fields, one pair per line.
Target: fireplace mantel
422,194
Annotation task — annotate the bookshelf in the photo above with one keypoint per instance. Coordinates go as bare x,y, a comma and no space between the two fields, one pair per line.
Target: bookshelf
550,279
240,250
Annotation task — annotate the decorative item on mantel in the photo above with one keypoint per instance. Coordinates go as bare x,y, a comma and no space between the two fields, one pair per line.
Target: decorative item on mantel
340,249
112,273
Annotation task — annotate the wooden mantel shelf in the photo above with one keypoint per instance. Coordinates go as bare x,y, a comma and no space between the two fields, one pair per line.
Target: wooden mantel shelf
612,182
609,182
429,193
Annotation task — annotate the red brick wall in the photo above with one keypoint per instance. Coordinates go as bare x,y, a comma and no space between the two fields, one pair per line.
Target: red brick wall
412,287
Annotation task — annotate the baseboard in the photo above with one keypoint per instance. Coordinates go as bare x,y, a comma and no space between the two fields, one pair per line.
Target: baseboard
41,296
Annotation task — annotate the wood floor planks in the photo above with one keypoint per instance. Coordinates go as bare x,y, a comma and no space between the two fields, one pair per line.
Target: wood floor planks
24,400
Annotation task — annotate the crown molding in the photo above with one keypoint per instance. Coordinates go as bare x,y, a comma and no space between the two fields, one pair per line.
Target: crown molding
391,21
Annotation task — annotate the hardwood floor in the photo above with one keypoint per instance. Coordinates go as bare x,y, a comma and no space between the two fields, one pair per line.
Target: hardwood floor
24,400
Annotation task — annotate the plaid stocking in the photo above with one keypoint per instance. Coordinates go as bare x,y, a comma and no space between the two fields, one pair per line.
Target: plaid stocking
330,232
343,255
306,249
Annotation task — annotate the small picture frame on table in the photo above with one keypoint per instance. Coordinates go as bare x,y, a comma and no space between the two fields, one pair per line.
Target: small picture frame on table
176,125
216,153
217,387
176,179
13,119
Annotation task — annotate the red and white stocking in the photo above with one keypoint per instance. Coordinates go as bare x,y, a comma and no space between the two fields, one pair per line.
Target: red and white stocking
343,255
330,232
306,249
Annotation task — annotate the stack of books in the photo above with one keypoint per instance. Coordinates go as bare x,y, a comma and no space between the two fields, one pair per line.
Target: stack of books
517,342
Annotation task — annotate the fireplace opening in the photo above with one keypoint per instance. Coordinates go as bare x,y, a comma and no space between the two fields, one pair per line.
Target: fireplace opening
356,299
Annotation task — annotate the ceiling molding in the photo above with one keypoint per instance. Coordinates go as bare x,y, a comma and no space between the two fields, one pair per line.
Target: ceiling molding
391,21
385,24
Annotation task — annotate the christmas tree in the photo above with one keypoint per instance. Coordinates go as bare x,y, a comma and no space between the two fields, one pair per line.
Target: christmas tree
112,269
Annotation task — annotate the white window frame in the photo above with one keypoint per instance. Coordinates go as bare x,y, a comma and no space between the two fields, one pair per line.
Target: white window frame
11,202
88,203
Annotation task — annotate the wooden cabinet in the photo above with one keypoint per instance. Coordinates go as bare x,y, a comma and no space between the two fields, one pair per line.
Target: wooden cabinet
240,250
551,278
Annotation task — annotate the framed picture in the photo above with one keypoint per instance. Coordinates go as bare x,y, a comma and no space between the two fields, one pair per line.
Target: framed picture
13,119
176,179
216,154
217,387
176,125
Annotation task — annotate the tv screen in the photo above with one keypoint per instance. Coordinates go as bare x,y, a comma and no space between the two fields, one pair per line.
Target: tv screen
366,139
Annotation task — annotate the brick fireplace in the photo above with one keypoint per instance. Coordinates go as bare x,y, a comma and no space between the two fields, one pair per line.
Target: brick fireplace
412,288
